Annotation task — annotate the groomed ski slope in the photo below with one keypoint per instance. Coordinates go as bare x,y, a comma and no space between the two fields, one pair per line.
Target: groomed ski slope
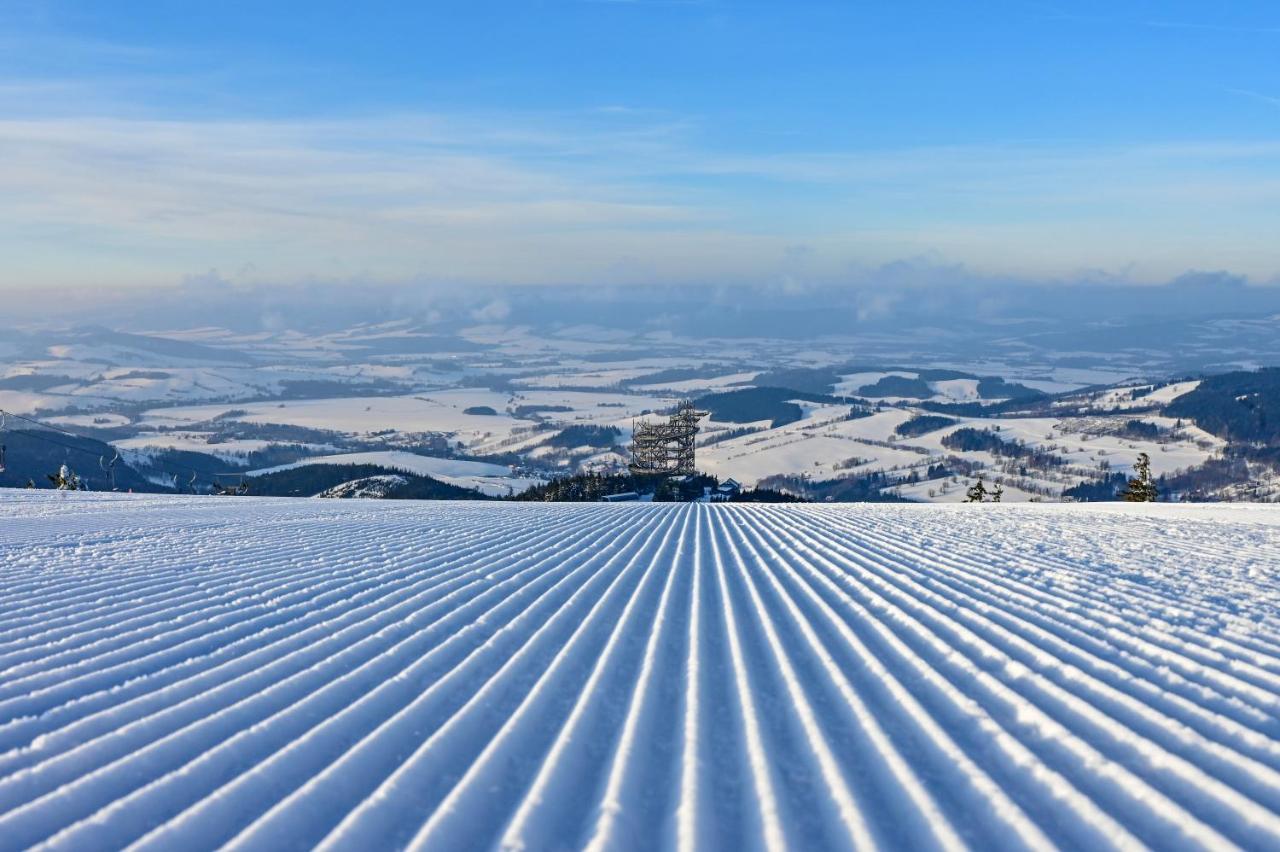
186,673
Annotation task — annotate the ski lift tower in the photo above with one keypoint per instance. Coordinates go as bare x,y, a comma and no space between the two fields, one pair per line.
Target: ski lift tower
666,448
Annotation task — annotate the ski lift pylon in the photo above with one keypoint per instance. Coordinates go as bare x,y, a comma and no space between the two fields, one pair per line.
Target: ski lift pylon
109,468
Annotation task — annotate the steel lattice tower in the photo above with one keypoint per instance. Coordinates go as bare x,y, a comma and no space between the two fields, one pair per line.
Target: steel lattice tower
666,448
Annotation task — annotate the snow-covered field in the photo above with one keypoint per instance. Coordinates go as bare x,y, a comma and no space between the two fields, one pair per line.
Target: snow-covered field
493,479
180,673
825,445
509,392
436,411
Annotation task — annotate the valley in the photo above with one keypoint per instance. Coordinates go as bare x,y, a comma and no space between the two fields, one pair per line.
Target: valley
834,419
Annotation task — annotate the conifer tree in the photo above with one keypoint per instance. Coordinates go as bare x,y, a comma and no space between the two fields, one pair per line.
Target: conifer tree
977,492
1141,488
997,492
65,479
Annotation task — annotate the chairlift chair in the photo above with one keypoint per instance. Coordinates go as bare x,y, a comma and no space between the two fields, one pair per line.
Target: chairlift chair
230,484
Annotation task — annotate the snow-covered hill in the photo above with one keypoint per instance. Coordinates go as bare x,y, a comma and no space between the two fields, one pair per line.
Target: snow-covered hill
180,673
785,414
491,479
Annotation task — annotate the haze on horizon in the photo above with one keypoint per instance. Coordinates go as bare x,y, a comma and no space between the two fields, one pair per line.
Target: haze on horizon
613,143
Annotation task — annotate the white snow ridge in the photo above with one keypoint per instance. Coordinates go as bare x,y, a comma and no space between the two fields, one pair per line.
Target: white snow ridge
192,673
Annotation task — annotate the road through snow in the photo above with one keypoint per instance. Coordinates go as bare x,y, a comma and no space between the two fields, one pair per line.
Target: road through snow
189,673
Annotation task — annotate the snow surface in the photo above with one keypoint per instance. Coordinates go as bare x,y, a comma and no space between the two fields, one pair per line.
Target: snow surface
439,411
183,673
1169,393
234,451
491,479
852,384
434,411
716,383
963,390
1119,398
91,421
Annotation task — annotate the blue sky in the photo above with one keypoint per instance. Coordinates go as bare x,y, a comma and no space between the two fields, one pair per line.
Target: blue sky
625,141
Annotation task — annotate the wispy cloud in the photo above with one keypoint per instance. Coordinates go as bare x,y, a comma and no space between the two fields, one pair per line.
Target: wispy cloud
1214,27
1257,96
1117,17
391,195
102,181
522,199
649,2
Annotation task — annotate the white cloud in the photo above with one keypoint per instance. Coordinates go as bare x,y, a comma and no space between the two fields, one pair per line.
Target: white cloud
601,196
493,311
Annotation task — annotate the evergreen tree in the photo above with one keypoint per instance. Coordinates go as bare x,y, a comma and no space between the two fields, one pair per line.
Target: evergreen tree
997,492
1141,488
65,479
977,492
